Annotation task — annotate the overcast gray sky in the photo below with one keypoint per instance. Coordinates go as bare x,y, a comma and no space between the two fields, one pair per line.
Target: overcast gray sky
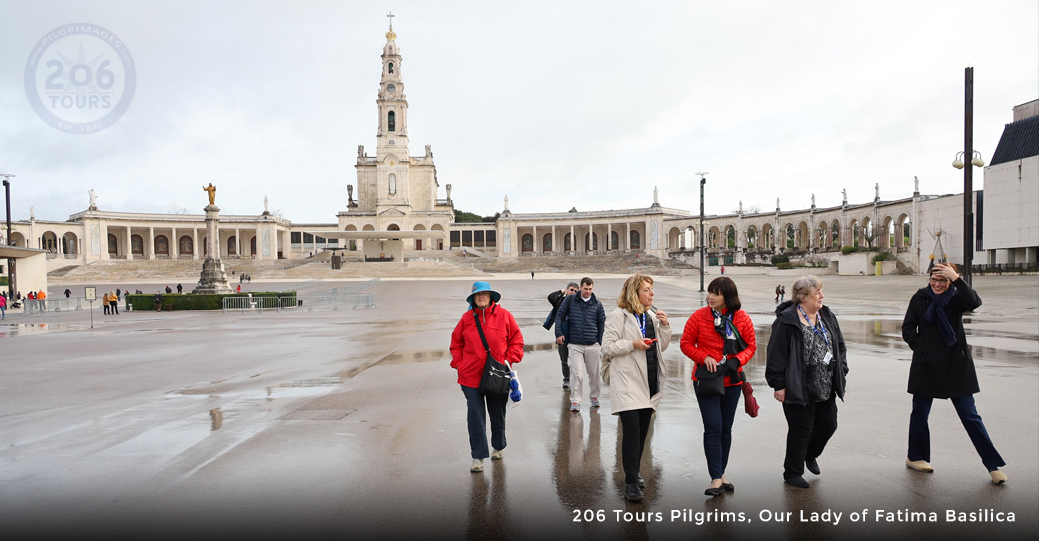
557,104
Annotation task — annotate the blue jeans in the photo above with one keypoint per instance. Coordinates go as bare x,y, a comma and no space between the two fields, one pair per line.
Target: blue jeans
920,434
718,413
479,406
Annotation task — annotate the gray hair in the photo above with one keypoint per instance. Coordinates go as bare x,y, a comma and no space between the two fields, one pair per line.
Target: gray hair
803,287
573,285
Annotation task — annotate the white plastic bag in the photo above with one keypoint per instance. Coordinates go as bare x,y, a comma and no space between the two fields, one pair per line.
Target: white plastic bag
516,390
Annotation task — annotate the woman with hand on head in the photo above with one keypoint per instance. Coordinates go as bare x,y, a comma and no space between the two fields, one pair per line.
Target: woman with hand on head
806,365
943,367
468,357
719,338
633,342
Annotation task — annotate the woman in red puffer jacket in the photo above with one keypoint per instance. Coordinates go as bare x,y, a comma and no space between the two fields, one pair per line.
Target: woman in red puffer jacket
703,342
468,357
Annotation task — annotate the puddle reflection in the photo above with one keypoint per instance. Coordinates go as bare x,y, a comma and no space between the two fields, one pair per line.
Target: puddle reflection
217,419
23,329
488,503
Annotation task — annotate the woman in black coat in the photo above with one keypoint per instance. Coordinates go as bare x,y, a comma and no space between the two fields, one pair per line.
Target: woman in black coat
943,367
806,365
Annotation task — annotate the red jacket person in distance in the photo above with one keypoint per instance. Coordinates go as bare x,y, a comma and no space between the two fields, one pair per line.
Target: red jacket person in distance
468,357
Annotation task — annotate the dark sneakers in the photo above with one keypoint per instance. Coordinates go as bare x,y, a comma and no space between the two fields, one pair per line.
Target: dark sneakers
812,465
796,481
632,492
641,482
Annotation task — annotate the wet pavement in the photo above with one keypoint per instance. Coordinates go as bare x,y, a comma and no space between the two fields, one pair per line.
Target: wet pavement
350,423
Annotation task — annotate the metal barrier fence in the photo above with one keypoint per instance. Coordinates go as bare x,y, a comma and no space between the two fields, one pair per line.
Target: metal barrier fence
334,301
32,307
258,303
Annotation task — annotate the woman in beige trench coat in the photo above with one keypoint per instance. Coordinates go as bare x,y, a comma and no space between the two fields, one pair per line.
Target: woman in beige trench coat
633,343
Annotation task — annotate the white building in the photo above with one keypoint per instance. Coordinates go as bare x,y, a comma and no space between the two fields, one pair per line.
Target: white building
1010,224
397,191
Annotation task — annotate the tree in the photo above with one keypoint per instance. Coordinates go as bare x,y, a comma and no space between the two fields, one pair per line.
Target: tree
462,216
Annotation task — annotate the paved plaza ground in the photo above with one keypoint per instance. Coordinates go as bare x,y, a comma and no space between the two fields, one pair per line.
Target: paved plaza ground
350,424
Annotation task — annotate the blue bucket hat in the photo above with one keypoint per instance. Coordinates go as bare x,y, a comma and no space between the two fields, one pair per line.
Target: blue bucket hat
479,287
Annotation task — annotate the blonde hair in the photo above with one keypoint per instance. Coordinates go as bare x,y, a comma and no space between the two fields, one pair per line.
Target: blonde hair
803,288
629,297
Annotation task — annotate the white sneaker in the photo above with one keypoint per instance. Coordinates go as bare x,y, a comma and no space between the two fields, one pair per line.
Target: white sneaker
477,465
497,454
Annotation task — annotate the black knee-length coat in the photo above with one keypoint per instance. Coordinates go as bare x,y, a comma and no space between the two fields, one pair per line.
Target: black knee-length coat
940,370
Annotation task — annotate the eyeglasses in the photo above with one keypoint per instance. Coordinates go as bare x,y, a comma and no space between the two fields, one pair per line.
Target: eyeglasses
938,281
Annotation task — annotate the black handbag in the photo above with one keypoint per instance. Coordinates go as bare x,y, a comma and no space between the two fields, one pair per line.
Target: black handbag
710,384
497,377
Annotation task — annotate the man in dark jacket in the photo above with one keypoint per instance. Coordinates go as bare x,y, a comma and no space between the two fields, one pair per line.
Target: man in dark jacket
585,322
556,299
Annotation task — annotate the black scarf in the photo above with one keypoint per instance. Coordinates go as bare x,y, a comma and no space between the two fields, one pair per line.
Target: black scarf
936,313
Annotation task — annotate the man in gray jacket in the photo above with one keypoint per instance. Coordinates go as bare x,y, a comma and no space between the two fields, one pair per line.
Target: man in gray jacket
585,321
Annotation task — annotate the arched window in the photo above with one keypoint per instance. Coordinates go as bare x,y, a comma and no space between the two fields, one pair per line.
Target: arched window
614,240
162,245
187,245
527,243
232,245
391,63
634,239
591,241
391,121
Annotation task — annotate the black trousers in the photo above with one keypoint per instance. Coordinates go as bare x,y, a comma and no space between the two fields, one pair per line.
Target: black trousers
564,357
634,428
809,427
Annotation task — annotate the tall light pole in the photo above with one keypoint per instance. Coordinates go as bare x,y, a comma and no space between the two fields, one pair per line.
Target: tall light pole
703,249
10,262
968,186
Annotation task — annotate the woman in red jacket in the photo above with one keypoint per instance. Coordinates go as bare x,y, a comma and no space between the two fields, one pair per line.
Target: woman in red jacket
719,337
468,357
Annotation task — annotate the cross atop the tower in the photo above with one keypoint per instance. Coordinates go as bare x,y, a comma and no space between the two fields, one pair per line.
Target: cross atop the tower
391,16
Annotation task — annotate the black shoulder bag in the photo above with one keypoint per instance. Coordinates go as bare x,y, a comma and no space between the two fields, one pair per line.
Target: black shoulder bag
496,375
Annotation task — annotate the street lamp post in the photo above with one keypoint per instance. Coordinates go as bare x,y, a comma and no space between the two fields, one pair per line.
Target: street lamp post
10,262
968,187
703,249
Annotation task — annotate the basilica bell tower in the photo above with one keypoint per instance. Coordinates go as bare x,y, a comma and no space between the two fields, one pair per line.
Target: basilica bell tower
395,190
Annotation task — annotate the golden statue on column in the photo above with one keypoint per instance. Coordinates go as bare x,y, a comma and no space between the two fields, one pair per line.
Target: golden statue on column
212,193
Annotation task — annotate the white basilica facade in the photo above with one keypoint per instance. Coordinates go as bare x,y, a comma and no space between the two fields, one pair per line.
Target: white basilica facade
397,191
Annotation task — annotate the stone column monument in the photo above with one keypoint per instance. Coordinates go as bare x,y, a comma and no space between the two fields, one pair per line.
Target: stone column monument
213,278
